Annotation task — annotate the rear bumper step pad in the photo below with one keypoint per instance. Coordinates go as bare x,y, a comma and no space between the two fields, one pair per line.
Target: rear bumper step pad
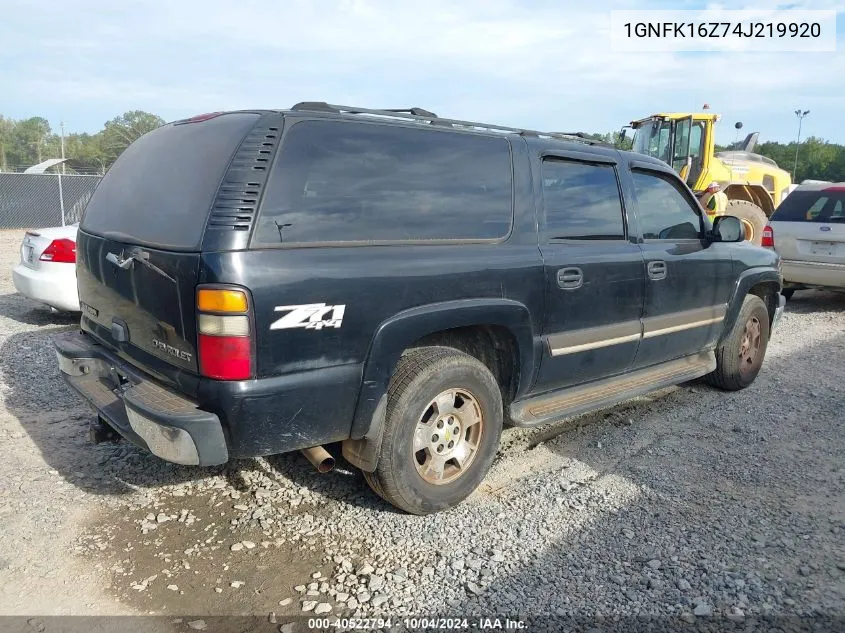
165,423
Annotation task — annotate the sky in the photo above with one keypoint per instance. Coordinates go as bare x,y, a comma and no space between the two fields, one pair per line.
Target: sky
541,64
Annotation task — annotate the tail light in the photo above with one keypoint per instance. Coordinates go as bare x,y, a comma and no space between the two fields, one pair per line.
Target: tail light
198,118
768,239
224,334
61,251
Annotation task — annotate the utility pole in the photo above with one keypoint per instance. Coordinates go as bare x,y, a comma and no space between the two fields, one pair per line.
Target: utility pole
800,114
62,127
61,173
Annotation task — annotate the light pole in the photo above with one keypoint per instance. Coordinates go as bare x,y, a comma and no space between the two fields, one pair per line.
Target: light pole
62,126
800,114
60,172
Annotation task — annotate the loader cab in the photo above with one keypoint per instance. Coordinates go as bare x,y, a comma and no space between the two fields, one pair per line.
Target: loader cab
681,140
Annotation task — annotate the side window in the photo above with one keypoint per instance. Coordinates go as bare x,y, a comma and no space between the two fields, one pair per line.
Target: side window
339,181
695,142
582,201
682,142
815,211
662,145
831,211
664,212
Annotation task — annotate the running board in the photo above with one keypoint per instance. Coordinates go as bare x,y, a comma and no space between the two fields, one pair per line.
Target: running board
604,393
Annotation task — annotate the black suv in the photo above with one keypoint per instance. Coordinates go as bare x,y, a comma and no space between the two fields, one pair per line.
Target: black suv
257,282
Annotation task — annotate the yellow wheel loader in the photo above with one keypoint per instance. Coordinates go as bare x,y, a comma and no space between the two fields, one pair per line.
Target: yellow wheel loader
754,184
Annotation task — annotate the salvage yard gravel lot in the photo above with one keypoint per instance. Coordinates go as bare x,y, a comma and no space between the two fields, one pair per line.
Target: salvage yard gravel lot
690,502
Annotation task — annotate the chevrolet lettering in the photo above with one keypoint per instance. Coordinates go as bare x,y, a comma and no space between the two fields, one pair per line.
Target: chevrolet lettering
173,351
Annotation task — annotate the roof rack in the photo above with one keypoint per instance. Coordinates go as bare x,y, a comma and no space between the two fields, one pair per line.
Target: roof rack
422,115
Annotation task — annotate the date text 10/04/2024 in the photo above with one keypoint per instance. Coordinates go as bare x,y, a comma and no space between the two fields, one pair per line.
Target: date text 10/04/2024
422,623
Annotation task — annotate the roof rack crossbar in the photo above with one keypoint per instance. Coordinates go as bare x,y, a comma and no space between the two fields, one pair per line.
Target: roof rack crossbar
314,106
415,111
419,114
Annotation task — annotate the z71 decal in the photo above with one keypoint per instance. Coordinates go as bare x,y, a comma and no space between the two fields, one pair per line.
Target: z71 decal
310,316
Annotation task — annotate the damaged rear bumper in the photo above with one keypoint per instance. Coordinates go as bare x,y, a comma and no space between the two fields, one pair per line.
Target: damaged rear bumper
157,419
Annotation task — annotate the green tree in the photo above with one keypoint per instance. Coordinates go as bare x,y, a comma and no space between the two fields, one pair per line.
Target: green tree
817,159
29,138
29,141
85,152
7,127
122,131
626,143
612,138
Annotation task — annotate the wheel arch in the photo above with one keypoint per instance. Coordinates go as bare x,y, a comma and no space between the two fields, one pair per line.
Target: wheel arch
471,326
768,291
763,282
756,194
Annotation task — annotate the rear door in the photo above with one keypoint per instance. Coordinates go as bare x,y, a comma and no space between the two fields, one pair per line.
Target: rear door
138,248
810,226
341,198
593,272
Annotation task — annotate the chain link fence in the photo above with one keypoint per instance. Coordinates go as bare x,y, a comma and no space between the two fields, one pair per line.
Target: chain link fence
31,201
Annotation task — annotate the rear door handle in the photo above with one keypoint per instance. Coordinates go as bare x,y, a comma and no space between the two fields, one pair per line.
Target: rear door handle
657,270
570,278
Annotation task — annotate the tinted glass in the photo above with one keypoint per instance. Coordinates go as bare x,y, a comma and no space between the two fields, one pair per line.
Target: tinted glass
825,205
582,201
682,143
160,190
337,181
652,139
664,212
696,137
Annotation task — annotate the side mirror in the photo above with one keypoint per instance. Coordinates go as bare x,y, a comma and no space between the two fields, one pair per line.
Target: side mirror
727,228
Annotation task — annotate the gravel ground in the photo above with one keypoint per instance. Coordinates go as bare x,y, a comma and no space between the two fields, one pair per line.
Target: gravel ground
687,503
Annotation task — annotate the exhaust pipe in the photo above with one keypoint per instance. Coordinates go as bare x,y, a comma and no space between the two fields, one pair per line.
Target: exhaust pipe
319,457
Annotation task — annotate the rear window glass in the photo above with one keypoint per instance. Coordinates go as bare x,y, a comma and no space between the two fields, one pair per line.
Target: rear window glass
160,190
826,205
338,181
582,201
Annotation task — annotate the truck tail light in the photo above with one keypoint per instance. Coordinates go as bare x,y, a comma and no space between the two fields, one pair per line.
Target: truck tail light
225,334
198,118
768,239
62,251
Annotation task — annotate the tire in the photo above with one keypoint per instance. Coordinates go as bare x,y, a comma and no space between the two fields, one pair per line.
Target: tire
787,294
466,391
736,369
750,214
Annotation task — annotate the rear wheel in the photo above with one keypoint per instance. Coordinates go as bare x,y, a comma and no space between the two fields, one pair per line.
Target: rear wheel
787,293
752,217
740,357
442,428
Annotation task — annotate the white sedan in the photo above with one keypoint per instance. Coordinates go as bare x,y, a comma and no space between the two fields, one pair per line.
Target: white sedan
47,272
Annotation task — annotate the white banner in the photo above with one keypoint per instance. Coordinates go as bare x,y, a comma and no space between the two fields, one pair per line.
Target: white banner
790,30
